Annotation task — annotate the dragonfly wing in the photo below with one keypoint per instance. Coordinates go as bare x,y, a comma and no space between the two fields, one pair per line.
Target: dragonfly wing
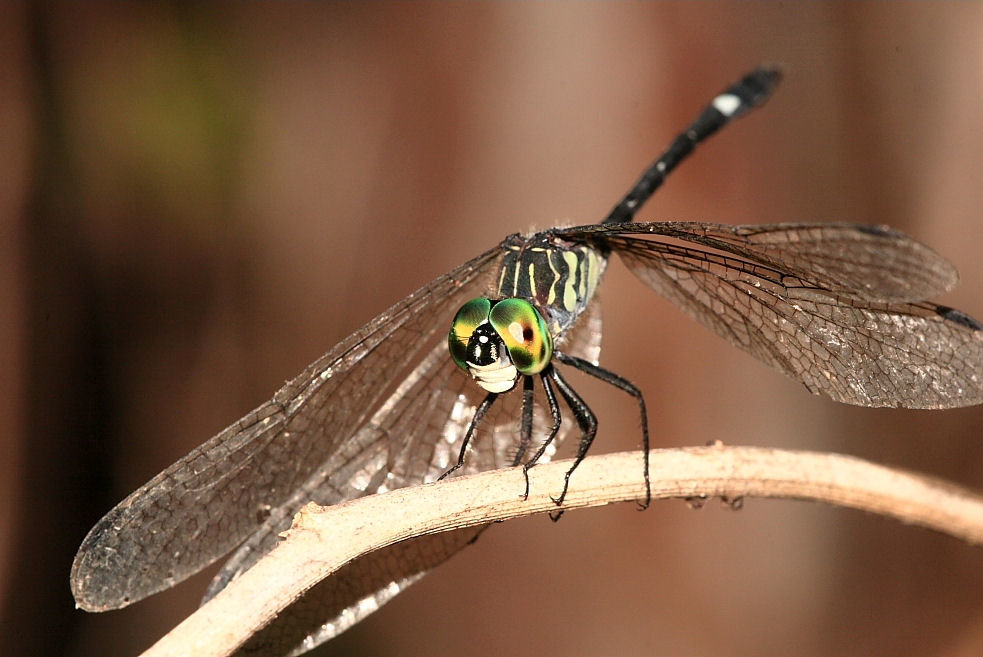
839,329
342,600
416,437
872,263
398,447
209,501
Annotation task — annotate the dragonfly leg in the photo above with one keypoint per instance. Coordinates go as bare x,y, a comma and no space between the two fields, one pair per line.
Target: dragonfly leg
478,414
588,425
623,384
555,412
525,425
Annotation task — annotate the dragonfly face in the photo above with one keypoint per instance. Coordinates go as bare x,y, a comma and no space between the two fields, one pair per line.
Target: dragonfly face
544,284
497,341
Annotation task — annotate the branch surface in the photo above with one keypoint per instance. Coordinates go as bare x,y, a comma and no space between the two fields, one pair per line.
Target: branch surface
322,540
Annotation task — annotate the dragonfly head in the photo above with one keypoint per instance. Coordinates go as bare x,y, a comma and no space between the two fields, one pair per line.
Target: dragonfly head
497,341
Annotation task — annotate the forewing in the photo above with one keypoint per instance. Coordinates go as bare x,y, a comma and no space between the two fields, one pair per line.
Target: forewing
870,263
833,321
201,507
414,436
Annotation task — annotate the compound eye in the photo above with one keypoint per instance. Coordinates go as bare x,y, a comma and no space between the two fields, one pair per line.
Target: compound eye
467,319
524,332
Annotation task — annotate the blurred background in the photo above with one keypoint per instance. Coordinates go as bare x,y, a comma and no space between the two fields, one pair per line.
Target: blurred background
197,201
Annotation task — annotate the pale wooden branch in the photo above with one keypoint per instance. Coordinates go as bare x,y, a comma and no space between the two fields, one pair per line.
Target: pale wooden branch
323,539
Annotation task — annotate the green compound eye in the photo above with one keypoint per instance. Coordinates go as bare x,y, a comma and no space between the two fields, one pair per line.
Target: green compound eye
466,320
525,334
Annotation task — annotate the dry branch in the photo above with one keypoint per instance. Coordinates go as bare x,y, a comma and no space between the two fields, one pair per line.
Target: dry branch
323,539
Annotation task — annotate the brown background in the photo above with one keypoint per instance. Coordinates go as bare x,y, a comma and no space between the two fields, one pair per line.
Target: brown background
196,202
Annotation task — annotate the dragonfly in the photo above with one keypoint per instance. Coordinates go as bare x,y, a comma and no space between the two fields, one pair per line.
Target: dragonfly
467,374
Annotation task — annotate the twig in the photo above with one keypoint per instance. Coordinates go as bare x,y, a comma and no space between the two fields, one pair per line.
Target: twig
323,539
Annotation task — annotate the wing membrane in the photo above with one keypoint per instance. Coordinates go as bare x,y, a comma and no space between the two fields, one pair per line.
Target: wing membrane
872,263
384,409
842,323
208,502
427,415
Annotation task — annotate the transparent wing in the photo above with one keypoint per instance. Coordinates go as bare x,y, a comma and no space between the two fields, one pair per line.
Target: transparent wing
869,263
416,436
204,505
410,439
326,610
837,307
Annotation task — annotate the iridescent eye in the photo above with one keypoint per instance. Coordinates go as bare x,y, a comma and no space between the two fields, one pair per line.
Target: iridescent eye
466,320
525,334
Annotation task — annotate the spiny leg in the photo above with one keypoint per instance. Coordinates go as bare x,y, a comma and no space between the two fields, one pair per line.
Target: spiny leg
624,384
588,426
478,414
555,412
525,424
751,91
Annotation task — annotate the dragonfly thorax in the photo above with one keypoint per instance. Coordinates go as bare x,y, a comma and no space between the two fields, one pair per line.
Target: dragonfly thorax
497,341
558,276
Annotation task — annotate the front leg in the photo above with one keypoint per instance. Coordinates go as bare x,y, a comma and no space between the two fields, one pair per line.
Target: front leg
478,414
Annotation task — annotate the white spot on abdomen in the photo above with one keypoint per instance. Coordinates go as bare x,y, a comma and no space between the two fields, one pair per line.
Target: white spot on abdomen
726,104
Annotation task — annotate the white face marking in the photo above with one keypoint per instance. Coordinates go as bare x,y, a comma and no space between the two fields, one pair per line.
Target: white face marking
726,104
497,377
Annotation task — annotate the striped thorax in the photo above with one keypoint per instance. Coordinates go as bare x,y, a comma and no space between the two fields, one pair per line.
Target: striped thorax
543,286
